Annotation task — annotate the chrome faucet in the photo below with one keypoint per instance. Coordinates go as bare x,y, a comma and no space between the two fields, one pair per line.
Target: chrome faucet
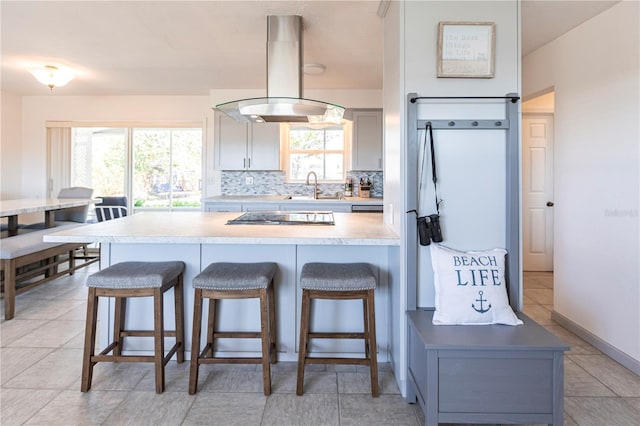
315,184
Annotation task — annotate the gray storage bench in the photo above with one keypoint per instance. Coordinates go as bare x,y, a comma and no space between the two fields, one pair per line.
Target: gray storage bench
25,256
485,373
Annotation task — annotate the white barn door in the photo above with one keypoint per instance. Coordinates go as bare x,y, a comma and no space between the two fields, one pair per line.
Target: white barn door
537,192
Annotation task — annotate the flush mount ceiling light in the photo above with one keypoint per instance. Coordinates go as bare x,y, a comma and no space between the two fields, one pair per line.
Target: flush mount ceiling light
52,76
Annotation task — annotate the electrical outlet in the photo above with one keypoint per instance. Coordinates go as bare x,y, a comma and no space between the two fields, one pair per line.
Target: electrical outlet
248,180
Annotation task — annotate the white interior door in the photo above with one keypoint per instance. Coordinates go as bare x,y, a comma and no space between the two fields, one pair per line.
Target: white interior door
537,192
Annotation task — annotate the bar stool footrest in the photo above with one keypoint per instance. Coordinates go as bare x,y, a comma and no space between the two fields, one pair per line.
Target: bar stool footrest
329,360
237,335
122,358
248,360
337,335
102,356
145,333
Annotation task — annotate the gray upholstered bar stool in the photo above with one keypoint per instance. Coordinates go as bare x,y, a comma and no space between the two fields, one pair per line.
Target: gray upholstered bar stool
234,281
134,279
338,281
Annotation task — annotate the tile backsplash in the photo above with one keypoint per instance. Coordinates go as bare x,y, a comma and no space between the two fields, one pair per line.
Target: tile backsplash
272,183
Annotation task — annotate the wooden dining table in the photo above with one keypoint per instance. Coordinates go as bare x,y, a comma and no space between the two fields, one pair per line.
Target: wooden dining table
12,208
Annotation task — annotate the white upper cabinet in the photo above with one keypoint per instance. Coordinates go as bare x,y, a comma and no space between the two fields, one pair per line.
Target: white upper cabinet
367,139
264,146
245,146
231,143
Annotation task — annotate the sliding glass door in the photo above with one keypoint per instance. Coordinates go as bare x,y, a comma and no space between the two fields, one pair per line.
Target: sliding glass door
99,160
155,168
167,168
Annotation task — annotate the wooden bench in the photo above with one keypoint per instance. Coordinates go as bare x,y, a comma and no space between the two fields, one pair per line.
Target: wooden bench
485,373
25,257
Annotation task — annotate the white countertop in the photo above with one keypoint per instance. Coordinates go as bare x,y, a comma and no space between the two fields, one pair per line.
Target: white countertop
32,205
285,198
211,228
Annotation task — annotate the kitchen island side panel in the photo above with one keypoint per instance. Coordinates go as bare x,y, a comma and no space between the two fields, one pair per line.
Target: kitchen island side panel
244,314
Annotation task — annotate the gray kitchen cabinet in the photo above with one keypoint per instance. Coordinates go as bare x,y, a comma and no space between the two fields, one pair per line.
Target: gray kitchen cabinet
257,207
222,207
341,206
367,139
245,146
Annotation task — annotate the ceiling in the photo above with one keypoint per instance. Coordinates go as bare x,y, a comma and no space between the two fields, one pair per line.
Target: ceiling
190,47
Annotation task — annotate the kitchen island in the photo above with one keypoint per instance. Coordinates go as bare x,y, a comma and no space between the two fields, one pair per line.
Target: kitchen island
200,238
229,203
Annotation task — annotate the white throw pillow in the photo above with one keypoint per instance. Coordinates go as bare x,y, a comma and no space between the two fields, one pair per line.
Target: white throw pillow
470,287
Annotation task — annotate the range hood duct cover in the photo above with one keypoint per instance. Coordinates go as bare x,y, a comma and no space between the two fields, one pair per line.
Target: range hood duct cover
284,101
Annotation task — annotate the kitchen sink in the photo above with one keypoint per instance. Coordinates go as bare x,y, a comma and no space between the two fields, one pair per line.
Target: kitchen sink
329,197
299,197
320,197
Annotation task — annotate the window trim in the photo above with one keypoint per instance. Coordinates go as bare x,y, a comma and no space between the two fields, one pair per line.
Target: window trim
285,150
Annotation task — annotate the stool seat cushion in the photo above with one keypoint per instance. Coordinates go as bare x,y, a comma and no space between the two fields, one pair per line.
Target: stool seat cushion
136,275
235,276
337,277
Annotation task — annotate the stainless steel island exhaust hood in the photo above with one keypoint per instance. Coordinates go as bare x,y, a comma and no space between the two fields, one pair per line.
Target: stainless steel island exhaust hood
284,102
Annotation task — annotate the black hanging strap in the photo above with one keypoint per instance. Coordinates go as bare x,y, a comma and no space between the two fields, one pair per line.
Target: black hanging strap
429,129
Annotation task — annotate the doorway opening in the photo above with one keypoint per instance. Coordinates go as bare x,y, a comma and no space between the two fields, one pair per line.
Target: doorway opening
537,200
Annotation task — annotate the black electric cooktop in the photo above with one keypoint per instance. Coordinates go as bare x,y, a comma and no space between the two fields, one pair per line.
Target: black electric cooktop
284,218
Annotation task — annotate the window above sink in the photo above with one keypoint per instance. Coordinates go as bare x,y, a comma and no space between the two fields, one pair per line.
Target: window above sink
324,150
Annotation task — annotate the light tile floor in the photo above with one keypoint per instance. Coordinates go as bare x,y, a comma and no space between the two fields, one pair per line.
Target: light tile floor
41,350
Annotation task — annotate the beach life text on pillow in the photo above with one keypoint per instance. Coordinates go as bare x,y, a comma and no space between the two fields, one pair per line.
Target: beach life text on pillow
470,287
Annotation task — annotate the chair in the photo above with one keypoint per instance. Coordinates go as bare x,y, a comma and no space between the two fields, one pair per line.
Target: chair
338,281
134,279
234,281
71,214
74,214
111,208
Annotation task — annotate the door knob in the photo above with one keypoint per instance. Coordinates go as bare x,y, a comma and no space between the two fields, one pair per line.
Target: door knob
549,203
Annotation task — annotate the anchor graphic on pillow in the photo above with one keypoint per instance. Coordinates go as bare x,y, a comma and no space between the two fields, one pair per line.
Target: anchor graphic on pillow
482,310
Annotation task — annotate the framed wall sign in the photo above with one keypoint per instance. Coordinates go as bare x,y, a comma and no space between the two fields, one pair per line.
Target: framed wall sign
466,49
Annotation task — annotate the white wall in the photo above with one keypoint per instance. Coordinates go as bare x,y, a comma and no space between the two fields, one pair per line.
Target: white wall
37,110
23,126
543,104
594,70
394,119
10,146
471,163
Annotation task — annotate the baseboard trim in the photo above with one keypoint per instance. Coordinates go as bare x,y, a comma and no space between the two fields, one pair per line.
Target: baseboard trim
611,351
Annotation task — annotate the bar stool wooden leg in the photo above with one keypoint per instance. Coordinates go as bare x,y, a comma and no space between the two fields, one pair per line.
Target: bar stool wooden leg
195,344
158,316
272,324
373,360
179,314
89,340
211,327
264,332
304,334
366,327
120,314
